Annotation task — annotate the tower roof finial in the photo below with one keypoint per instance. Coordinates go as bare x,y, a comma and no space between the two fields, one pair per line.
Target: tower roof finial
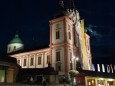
61,3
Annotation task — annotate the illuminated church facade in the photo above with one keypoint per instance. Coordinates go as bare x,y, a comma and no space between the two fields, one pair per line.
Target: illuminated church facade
69,46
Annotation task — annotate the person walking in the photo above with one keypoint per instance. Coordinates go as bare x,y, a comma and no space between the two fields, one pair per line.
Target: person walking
64,81
43,81
31,80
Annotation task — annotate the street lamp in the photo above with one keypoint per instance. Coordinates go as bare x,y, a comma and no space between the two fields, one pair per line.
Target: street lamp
77,59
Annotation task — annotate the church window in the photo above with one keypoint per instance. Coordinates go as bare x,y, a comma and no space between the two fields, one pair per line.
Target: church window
18,62
24,62
69,34
14,47
58,26
69,27
58,67
48,59
39,60
57,34
70,56
9,48
31,61
88,45
58,56
71,66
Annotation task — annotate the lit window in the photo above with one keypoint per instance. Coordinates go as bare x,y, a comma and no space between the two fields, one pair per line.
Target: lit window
31,61
58,34
101,82
39,60
91,82
48,59
24,62
58,56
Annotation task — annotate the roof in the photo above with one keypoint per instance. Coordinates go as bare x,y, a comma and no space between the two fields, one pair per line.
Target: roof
6,58
61,11
16,39
32,48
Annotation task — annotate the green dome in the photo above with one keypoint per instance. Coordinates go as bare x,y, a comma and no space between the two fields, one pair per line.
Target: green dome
16,39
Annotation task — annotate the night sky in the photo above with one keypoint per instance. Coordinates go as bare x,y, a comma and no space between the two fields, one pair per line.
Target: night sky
30,18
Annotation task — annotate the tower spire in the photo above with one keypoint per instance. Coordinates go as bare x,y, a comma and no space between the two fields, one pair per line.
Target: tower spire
71,5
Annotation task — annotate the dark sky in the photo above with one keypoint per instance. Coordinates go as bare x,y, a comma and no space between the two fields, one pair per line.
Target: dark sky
31,19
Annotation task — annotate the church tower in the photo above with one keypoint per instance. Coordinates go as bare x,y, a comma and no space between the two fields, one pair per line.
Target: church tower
68,47
62,46
15,44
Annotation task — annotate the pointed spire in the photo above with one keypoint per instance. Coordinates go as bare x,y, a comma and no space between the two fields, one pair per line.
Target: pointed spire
61,11
71,5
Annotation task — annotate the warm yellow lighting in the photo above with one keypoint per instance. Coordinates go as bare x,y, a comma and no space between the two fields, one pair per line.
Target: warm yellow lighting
77,59
110,79
92,81
89,83
101,78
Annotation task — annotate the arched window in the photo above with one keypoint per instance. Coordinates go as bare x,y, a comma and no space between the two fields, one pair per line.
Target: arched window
57,34
69,34
14,47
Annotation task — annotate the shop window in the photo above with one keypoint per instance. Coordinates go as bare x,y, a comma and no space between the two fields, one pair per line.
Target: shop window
91,82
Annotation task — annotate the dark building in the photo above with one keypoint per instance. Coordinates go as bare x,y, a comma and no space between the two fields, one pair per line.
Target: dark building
8,69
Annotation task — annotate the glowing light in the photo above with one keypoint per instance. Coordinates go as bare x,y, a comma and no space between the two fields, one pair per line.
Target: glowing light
110,79
98,67
77,59
103,68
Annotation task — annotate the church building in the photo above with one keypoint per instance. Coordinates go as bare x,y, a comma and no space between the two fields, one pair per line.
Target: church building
69,46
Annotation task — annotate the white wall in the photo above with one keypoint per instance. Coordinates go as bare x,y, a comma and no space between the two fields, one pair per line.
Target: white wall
11,46
69,29
61,49
54,29
46,54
